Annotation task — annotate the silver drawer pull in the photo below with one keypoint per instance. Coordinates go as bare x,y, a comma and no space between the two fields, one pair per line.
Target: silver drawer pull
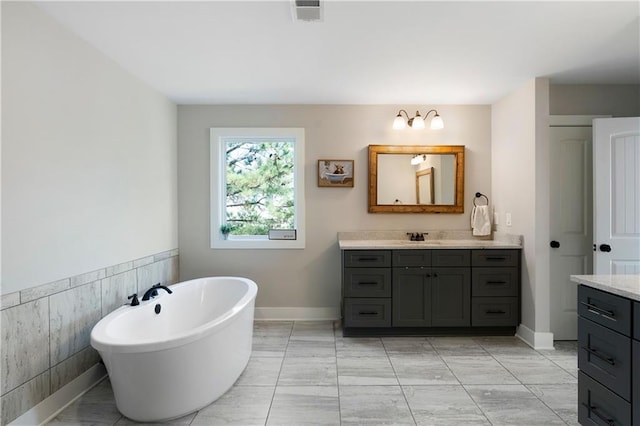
368,313
599,311
595,411
597,354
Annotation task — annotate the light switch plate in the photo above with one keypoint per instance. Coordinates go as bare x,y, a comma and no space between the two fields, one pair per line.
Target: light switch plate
282,234
507,219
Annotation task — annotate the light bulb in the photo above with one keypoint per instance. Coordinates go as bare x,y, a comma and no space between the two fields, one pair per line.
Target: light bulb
417,122
437,123
399,123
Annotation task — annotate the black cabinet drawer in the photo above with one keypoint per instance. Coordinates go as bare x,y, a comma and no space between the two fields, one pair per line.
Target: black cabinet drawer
494,282
411,258
367,282
451,258
365,312
606,309
606,356
367,258
597,405
494,311
491,257
635,356
636,321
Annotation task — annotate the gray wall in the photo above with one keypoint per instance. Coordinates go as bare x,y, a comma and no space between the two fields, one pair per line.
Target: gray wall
618,100
311,277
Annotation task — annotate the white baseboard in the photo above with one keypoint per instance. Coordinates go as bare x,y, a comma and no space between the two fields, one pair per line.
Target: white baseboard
537,340
297,314
62,398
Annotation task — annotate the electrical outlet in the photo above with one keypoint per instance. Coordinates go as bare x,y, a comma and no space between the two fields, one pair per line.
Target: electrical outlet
507,219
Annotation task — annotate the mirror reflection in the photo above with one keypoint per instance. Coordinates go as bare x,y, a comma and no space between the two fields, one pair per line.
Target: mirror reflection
416,179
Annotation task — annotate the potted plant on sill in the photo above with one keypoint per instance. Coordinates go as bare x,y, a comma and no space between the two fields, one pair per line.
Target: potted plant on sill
226,229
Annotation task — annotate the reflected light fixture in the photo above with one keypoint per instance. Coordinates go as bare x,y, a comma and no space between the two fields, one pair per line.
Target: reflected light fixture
417,122
417,159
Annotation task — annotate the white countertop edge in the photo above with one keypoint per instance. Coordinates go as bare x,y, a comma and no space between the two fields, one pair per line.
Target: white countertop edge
436,244
622,285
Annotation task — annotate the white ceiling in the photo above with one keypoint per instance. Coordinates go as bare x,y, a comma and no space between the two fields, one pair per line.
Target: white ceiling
362,52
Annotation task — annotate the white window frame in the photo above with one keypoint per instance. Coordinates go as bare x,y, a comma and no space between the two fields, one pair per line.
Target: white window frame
218,187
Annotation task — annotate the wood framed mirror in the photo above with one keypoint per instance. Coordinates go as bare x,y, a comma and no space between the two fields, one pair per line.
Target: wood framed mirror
416,178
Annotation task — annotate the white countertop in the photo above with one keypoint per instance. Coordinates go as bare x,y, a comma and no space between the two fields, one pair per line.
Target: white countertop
428,244
622,285
438,239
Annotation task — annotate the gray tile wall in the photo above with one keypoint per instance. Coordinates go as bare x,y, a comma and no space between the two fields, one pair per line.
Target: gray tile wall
46,329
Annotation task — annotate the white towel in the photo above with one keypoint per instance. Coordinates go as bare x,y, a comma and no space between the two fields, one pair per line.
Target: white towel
481,221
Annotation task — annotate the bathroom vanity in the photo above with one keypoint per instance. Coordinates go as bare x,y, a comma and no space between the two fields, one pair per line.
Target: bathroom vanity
608,349
447,284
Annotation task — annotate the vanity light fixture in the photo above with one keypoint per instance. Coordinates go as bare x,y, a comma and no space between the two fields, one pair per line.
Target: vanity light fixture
417,159
417,122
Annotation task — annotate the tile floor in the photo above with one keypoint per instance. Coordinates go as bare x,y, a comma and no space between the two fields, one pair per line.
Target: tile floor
304,373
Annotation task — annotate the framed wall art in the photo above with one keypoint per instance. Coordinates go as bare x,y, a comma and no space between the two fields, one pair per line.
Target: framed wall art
335,173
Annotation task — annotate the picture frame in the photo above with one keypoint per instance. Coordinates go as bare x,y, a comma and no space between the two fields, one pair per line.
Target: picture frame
335,173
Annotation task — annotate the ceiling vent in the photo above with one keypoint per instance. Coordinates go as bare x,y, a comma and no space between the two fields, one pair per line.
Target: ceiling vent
306,10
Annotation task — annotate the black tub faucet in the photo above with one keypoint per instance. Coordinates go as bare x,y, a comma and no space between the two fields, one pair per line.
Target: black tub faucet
153,291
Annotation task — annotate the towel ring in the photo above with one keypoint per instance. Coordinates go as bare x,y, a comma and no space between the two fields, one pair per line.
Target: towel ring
478,195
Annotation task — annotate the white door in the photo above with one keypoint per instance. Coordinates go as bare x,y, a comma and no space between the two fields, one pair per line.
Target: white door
617,195
570,223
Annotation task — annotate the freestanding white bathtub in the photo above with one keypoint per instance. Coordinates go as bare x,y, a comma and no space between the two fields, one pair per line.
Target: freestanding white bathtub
168,364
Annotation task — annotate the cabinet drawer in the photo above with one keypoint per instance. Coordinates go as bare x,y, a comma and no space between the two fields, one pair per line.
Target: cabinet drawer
636,321
490,257
494,311
367,282
635,355
606,309
606,356
365,312
411,258
451,258
367,258
597,405
494,282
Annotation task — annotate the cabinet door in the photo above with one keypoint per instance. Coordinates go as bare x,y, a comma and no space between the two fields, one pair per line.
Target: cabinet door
411,305
451,297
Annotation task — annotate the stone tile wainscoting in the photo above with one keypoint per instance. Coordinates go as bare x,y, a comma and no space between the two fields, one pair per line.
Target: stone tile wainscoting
46,329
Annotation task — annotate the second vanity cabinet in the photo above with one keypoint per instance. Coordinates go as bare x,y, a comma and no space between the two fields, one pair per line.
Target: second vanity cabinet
408,291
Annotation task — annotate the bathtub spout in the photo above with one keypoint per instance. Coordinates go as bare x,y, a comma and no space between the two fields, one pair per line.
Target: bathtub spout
153,291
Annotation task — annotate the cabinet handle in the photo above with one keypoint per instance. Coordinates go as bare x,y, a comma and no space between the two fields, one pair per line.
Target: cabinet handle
495,282
597,354
599,311
367,283
368,313
427,275
595,411
495,312
495,258
367,259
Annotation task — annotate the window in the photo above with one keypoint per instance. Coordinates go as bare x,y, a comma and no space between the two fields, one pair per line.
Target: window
257,185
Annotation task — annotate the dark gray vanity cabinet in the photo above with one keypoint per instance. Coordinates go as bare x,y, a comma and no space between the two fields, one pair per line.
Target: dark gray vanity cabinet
418,291
366,288
495,289
608,359
431,288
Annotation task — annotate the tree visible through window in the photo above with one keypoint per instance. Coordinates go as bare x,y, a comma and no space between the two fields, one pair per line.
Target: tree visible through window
257,184
260,189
